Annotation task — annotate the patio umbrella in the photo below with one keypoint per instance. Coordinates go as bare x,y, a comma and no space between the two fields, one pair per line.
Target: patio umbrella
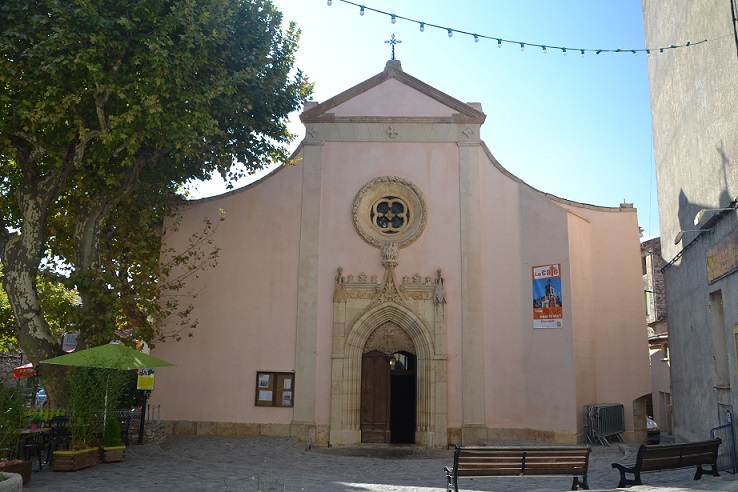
110,356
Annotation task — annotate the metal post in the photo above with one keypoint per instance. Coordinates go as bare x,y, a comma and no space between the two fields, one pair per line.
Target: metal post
143,417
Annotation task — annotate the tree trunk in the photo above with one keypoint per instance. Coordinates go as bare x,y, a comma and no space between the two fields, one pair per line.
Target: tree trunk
23,249
21,256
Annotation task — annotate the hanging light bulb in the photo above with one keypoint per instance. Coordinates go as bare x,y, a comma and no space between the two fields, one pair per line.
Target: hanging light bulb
422,26
635,53
582,53
361,12
598,52
330,2
522,46
563,50
648,52
450,33
394,19
476,38
499,43
545,50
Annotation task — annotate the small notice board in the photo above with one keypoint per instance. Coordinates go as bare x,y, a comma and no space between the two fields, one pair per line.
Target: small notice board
274,389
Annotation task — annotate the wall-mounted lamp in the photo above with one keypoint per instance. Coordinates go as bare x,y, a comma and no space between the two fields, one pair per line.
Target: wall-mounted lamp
701,214
680,234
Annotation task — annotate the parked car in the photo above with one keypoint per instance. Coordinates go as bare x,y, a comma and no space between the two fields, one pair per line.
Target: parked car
653,431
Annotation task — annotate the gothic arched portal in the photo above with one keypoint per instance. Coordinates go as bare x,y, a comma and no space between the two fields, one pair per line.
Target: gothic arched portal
376,313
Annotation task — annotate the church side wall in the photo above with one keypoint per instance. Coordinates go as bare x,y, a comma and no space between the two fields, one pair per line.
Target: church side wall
549,363
618,314
246,307
505,374
583,311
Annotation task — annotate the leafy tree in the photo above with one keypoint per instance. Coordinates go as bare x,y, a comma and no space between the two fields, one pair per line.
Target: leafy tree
107,108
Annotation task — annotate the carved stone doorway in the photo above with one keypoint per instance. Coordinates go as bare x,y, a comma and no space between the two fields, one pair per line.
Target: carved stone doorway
406,320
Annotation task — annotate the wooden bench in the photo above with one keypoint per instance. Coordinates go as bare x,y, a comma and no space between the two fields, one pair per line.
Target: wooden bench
487,461
671,457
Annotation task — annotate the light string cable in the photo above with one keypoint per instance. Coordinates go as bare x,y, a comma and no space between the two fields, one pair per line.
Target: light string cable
544,47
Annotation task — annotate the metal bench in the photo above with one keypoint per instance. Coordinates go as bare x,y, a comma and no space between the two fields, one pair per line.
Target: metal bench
487,461
671,457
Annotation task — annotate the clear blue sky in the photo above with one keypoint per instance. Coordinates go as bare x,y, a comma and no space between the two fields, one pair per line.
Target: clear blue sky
579,128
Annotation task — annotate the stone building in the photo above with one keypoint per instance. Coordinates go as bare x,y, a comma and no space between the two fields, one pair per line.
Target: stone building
694,104
658,332
399,285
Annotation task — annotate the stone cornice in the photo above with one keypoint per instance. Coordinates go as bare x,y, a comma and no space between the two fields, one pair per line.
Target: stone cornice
320,113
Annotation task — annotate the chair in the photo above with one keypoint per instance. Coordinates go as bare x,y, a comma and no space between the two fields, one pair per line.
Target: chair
33,445
125,424
58,436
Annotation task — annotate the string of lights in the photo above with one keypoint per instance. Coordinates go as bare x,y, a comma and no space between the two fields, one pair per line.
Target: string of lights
523,45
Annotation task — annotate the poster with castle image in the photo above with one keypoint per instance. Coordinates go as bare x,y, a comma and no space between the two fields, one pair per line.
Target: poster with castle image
547,299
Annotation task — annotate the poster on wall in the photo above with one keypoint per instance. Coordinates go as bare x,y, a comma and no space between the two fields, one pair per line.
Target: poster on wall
547,300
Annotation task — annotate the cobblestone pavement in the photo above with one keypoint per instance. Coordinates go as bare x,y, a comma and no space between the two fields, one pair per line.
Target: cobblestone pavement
251,464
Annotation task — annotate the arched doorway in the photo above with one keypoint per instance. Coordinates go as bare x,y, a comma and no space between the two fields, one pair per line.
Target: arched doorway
388,397
378,317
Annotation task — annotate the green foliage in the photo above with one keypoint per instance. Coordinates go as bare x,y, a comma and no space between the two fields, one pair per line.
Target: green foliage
59,304
8,339
109,107
88,390
111,437
44,414
84,403
12,418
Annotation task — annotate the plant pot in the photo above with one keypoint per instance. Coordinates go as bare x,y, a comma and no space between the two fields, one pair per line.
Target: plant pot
112,454
76,460
14,483
23,468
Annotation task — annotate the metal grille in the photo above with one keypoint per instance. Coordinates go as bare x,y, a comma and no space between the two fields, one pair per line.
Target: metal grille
602,421
726,453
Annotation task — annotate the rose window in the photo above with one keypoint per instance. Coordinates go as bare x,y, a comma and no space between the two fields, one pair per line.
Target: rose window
390,214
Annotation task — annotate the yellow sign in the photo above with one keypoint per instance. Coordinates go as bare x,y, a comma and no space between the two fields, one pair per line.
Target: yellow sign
722,258
145,379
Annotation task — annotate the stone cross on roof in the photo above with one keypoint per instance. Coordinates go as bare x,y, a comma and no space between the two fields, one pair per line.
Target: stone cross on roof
393,41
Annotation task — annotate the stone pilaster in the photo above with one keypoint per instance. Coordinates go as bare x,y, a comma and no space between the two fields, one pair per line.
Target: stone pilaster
307,297
472,322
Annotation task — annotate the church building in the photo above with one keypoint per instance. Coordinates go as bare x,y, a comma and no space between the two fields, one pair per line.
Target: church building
398,285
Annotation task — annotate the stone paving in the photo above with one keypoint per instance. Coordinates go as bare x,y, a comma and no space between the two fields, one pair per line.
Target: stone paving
266,464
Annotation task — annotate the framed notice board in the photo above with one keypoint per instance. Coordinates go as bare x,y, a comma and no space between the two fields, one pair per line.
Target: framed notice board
274,389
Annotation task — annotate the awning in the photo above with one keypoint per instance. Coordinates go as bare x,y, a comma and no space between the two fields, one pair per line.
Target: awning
24,371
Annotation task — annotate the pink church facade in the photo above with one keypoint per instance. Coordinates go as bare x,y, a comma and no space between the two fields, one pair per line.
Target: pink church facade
385,289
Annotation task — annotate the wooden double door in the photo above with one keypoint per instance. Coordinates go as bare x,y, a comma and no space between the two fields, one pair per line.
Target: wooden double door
388,398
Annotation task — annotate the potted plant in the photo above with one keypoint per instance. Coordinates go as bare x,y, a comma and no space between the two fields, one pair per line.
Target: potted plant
83,402
36,421
12,421
112,449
